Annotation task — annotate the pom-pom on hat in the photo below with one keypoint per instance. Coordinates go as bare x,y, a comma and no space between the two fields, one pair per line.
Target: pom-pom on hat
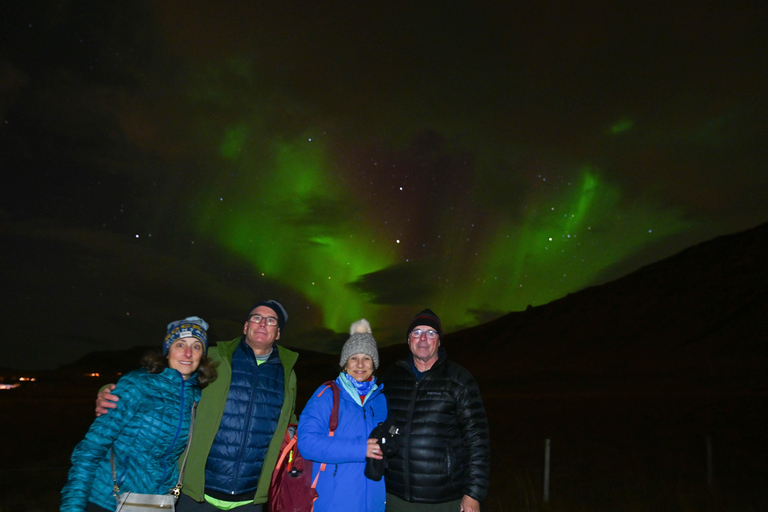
282,315
360,342
190,327
426,317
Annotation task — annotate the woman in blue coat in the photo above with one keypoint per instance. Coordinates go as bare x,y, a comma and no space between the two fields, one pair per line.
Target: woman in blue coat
339,460
149,431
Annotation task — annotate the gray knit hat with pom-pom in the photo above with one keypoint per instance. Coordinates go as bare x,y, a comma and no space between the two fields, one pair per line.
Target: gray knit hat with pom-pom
360,342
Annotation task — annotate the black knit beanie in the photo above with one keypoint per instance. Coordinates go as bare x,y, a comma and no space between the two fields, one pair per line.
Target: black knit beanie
426,317
275,306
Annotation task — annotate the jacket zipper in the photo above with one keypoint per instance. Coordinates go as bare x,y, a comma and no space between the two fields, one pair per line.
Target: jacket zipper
175,437
247,428
406,452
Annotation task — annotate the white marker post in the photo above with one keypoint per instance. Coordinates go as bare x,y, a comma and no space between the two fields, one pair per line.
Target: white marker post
546,470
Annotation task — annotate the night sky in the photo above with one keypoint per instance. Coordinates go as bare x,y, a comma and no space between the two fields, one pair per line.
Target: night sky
359,159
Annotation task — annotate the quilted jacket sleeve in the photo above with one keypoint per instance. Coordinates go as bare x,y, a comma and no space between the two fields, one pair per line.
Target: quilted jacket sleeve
474,426
96,444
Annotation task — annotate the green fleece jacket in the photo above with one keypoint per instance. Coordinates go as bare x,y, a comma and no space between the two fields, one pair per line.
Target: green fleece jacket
211,409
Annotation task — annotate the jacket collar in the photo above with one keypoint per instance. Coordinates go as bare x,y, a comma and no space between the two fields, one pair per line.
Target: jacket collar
407,363
175,376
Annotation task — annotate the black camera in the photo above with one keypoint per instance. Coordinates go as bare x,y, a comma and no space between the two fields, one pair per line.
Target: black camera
386,435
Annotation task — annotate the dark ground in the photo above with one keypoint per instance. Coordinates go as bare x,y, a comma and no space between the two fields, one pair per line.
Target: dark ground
608,452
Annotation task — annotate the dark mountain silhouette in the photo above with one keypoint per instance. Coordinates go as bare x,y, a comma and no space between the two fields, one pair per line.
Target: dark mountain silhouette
696,321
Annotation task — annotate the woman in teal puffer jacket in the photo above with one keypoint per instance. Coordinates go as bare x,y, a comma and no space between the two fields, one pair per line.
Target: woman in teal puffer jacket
149,431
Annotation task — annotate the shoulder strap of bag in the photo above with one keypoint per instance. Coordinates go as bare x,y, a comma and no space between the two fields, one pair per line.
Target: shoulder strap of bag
333,421
289,442
115,487
176,490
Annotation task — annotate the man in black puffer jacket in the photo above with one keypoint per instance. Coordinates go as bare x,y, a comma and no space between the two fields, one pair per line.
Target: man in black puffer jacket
443,461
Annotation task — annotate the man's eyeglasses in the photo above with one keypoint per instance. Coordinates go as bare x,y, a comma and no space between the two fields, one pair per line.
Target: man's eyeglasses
416,333
256,318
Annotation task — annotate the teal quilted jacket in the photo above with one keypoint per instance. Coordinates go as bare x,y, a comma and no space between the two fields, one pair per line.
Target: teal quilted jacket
148,432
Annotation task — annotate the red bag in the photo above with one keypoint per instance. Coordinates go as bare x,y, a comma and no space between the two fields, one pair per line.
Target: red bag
292,488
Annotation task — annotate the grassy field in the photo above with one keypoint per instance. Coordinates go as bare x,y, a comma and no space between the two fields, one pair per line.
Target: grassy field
609,452
629,453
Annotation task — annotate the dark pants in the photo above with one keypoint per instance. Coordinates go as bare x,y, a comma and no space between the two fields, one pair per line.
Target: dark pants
187,504
395,504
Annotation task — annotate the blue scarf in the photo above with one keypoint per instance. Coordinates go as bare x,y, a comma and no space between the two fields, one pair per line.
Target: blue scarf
362,388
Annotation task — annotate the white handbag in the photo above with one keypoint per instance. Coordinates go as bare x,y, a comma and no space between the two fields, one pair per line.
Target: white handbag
135,502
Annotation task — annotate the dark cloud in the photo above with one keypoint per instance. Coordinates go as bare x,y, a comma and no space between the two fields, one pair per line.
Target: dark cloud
403,284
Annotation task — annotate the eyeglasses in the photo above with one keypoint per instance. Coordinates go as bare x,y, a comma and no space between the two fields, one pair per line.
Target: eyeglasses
416,333
257,318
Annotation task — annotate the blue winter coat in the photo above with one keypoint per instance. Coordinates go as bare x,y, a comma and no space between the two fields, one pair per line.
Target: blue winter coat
148,432
251,414
342,486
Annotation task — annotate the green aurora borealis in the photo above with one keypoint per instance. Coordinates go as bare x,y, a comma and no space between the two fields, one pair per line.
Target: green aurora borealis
331,242
181,157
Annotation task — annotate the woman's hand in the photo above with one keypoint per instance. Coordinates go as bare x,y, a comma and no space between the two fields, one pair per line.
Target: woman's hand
374,450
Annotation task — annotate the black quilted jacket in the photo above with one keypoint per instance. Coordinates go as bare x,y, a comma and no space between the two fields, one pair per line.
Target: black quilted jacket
444,441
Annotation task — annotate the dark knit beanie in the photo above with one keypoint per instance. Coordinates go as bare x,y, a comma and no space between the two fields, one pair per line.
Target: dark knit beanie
282,315
426,317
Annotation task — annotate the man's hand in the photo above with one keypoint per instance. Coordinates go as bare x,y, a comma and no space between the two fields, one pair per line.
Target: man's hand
105,400
469,504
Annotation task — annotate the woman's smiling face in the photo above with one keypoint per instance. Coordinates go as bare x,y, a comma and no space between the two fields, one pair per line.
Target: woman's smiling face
184,355
360,367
